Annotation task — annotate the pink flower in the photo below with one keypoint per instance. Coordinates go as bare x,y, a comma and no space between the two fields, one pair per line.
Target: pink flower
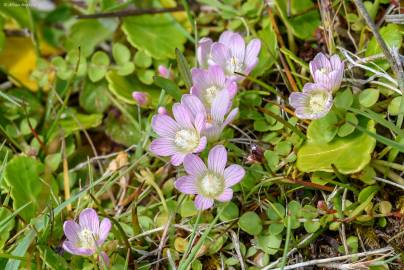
212,182
86,237
141,98
231,53
208,83
178,137
314,102
216,119
328,71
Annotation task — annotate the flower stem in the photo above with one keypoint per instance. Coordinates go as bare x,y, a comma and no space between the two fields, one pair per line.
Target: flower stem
192,238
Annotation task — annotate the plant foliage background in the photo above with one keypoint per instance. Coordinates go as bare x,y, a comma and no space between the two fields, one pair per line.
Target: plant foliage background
73,137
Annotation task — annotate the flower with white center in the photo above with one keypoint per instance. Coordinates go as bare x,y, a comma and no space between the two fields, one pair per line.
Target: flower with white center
328,71
216,119
232,54
208,83
314,102
178,137
212,182
86,237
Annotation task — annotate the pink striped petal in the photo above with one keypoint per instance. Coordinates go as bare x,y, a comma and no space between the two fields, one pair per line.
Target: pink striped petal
220,54
163,147
71,230
220,106
203,203
164,125
73,249
177,159
202,145
237,46
186,184
105,227
226,195
89,219
233,174
194,104
194,165
217,159
182,115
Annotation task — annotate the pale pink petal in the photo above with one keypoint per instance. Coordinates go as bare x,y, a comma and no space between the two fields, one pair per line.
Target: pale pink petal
217,159
89,219
73,249
233,174
203,203
194,104
186,184
194,165
220,54
237,46
164,125
220,106
163,147
225,37
201,146
182,115
252,51
231,87
199,80
226,195
231,116
177,159
105,227
71,230
199,122
203,51
216,76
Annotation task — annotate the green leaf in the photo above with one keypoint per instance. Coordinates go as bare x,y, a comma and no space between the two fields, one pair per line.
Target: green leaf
125,69
302,21
143,59
272,159
146,76
251,223
94,97
5,214
323,130
394,106
98,66
89,33
53,260
343,99
156,34
121,130
169,86
122,88
268,53
368,97
319,157
188,209
76,121
120,53
366,192
392,37
348,128
230,212
24,176
311,226
276,211
269,243
183,68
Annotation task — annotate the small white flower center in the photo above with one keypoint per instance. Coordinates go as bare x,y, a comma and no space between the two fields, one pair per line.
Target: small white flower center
187,139
211,185
235,65
87,239
317,102
210,93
